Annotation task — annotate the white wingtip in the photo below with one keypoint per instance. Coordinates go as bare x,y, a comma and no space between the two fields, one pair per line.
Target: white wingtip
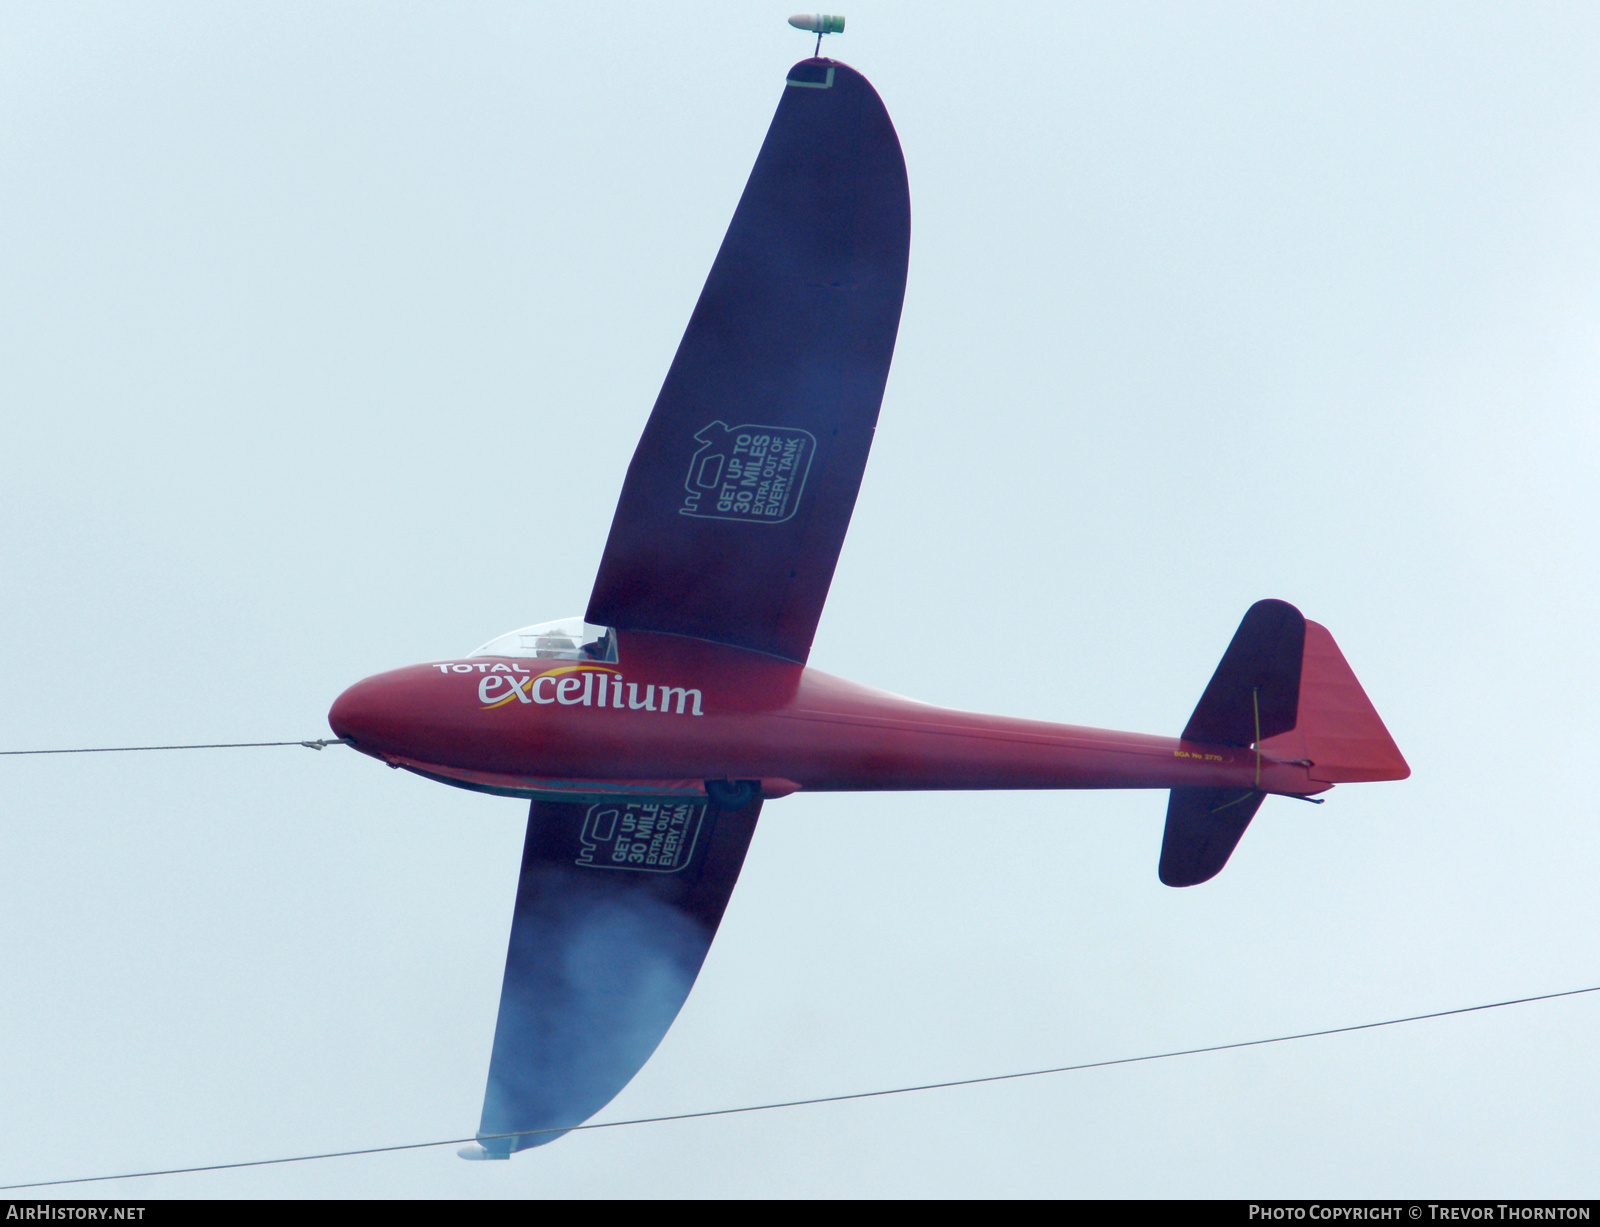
818,23
473,1151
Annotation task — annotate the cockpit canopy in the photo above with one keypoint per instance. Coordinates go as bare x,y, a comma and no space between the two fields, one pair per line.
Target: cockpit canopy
563,639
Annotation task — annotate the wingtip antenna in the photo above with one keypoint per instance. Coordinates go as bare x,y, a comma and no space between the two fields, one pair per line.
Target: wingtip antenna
818,24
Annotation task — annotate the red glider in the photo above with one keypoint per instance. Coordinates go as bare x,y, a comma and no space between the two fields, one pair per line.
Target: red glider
648,733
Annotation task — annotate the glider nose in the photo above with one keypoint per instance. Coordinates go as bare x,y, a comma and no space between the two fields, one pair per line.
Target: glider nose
368,716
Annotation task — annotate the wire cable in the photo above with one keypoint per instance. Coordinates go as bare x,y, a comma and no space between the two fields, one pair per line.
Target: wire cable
315,744
821,1099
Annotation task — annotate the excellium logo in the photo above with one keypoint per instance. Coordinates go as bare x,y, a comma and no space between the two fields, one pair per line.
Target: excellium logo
578,686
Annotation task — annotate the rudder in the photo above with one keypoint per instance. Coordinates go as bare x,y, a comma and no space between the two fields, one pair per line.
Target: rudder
1337,729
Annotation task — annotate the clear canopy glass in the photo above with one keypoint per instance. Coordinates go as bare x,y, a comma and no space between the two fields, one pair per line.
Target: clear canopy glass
563,639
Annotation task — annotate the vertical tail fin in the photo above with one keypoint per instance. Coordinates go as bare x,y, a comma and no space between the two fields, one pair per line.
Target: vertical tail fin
1337,729
1284,687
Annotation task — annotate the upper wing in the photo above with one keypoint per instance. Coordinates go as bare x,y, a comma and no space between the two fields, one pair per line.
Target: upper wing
740,492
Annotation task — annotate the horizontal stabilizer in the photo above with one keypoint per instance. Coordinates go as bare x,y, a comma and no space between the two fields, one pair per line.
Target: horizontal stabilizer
1283,687
1204,825
1255,692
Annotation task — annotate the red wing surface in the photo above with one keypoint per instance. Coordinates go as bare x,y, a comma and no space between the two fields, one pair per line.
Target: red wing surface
740,492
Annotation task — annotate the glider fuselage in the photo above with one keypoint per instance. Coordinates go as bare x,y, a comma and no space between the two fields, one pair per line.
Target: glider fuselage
672,712
649,732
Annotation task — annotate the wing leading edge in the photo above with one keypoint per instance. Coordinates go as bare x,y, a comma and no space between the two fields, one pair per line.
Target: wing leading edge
738,497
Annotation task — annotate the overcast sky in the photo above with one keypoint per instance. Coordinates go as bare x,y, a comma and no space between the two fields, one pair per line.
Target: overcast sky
328,331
